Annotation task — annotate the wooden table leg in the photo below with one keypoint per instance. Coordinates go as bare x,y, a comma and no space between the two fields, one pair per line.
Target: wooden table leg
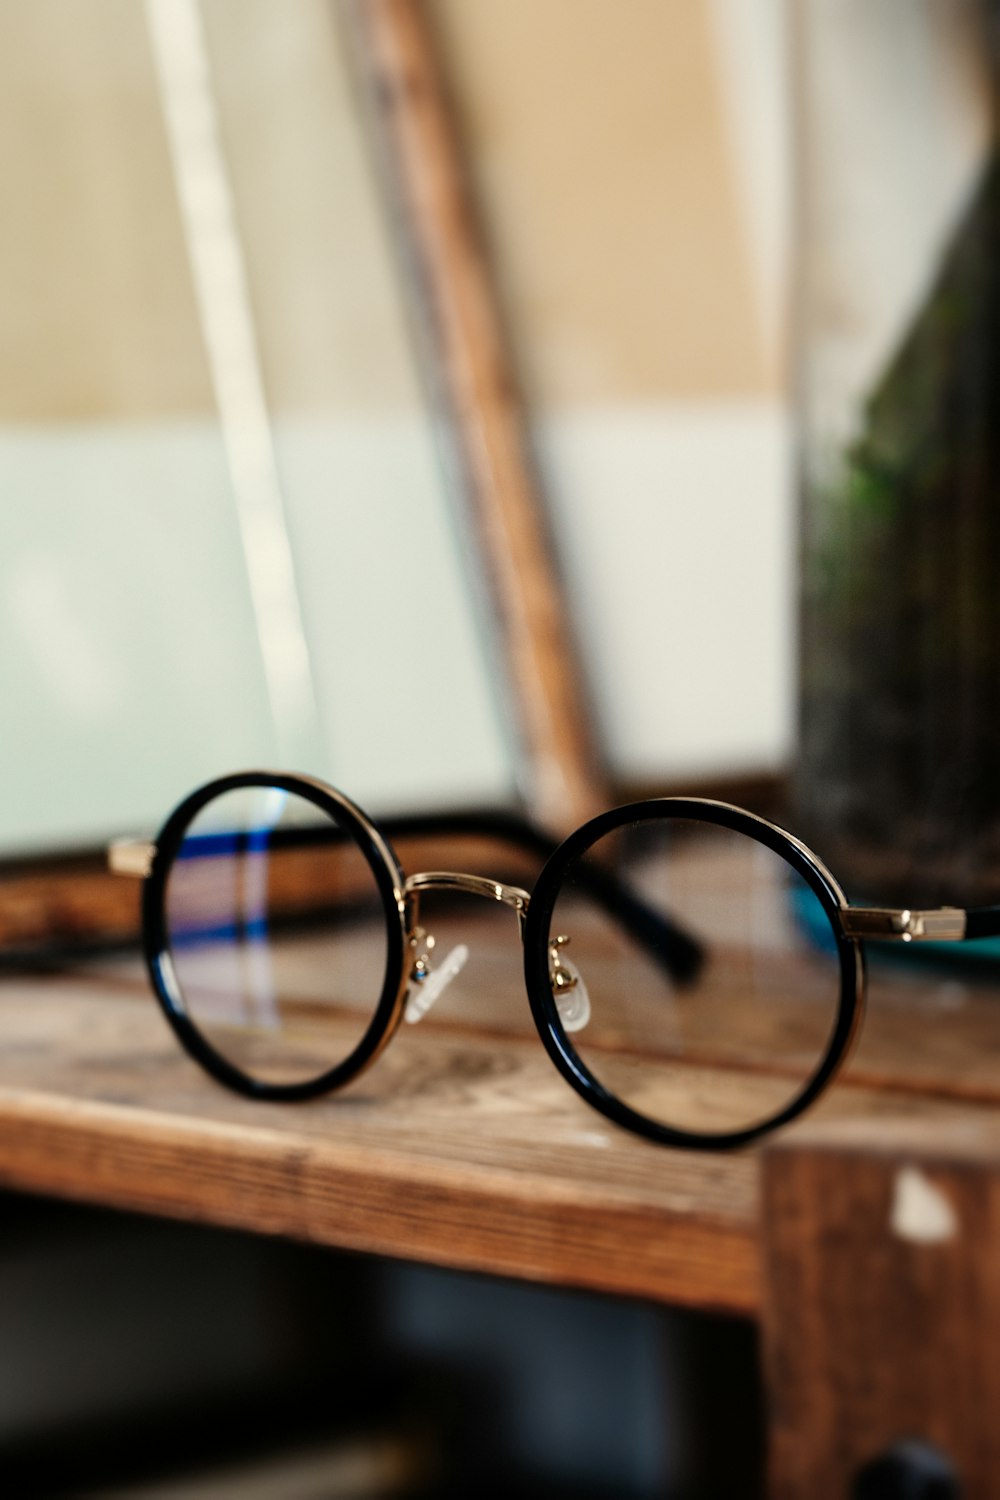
881,1253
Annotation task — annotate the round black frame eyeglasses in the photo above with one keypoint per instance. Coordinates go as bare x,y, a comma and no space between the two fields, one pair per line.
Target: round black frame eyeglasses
675,950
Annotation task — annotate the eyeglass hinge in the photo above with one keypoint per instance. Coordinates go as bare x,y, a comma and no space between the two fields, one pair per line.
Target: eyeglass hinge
944,925
131,857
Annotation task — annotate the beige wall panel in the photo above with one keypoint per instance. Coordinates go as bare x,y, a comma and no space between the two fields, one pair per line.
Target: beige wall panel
598,142
327,302
97,316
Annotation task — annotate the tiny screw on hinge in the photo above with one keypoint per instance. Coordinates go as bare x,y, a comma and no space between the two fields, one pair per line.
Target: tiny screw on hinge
422,943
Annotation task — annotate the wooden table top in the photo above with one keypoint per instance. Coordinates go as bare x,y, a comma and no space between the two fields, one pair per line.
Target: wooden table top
461,1147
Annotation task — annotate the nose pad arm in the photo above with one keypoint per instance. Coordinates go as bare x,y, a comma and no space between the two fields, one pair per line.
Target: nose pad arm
427,983
570,992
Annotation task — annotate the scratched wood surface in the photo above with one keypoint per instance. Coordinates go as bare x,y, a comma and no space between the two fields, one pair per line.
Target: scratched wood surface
462,1146
882,1301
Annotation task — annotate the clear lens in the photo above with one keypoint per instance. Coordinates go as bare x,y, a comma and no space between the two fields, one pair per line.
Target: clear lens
277,934
729,1046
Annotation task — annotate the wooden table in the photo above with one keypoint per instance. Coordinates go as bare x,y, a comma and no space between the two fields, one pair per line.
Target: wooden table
464,1148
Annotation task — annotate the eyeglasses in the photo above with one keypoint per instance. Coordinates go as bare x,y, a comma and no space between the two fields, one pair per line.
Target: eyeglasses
695,973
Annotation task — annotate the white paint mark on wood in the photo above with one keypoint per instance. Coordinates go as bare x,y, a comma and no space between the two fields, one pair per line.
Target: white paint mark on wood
921,1212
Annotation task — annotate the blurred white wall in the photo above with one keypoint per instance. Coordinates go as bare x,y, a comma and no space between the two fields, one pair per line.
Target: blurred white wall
629,167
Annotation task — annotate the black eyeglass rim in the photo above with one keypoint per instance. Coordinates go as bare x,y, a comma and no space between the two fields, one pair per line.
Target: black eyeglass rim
389,879
537,933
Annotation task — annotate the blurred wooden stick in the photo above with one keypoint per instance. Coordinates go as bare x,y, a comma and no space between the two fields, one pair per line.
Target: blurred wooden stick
471,369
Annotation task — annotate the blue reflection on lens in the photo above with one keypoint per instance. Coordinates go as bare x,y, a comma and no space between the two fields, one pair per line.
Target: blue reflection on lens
811,918
245,930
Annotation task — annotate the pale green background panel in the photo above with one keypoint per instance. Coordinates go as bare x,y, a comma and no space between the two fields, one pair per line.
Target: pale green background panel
128,659
409,714
130,665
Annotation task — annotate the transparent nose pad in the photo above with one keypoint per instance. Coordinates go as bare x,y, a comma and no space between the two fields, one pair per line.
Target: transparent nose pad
568,988
426,984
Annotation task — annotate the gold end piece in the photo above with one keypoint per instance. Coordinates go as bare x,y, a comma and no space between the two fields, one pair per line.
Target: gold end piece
131,857
945,925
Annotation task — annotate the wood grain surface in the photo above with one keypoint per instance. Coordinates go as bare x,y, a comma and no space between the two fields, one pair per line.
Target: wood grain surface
882,1300
464,1151
462,1147
72,901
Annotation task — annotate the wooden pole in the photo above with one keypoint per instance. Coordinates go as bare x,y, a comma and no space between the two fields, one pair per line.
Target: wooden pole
475,386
